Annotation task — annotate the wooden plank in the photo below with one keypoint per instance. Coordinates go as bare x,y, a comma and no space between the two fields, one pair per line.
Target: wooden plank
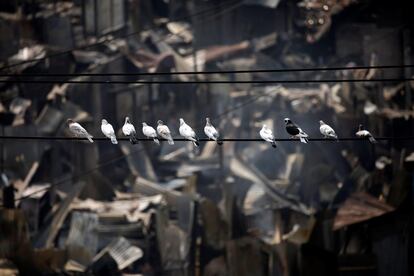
21,186
47,238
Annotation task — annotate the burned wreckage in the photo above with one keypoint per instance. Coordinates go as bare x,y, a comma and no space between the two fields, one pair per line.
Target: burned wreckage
70,207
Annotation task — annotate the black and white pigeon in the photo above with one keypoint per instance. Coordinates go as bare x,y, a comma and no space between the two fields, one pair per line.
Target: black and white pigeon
129,130
188,133
296,131
212,132
363,133
267,135
108,131
164,132
327,131
78,131
150,132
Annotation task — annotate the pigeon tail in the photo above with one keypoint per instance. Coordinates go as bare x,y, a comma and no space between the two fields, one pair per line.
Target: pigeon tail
196,143
274,144
303,139
113,140
219,142
156,141
372,139
170,141
334,137
90,138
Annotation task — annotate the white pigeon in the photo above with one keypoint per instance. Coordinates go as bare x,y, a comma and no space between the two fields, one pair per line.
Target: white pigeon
267,135
188,133
150,132
363,133
212,132
164,132
327,131
108,131
129,130
77,130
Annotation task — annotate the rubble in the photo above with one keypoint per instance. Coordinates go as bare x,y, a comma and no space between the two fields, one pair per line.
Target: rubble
69,207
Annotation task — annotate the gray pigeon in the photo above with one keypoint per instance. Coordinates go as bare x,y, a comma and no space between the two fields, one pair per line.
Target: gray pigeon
327,131
164,132
77,130
365,134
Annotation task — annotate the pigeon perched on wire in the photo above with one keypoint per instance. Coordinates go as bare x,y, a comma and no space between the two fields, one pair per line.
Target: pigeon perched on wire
129,130
164,132
108,131
212,132
150,132
78,131
363,133
327,131
296,131
267,135
188,133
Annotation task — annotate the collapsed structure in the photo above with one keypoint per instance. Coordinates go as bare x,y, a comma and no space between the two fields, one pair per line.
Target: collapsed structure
240,209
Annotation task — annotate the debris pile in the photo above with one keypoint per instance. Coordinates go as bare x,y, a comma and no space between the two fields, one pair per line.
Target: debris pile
240,208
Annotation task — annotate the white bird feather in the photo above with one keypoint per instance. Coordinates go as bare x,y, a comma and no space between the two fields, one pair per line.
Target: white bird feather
108,131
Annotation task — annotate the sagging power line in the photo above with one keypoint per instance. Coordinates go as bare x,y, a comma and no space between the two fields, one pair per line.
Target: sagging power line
51,138
287,70
207,81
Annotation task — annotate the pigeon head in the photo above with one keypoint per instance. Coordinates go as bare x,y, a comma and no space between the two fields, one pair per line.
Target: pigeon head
69,121
104,122
208,121
127,120
182,121
360,127
144,124
287,120
321,122
160,122
264,126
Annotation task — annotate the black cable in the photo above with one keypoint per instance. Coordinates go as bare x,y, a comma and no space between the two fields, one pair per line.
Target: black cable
106,40
125,155
149,140
200,139
212,82
212,72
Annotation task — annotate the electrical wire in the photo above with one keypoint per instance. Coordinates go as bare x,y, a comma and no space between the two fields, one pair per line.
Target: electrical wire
131,153
150,140
250,101
109,39
287,70
207,81
104,139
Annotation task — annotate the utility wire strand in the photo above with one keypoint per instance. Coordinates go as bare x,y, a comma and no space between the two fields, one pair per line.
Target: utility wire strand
106,40
287,70
104,139
212,82
57,183
148,140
